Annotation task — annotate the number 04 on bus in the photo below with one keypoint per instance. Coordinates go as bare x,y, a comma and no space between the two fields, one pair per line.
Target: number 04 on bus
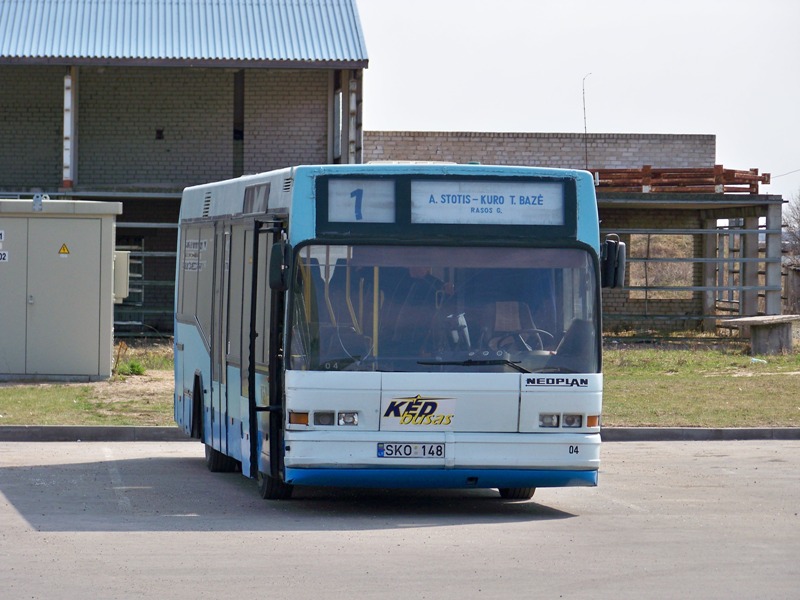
425,326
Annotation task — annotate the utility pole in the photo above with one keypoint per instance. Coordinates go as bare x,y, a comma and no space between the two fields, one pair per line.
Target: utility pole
585,130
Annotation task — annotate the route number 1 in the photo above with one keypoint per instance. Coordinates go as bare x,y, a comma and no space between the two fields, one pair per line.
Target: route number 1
361,200
358,195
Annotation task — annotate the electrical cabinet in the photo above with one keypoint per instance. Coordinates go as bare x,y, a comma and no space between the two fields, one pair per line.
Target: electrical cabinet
56,288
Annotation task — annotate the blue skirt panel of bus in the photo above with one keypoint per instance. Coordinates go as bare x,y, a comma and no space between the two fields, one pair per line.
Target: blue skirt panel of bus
440,478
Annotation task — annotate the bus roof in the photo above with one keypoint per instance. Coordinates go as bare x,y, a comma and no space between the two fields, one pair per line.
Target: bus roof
288,190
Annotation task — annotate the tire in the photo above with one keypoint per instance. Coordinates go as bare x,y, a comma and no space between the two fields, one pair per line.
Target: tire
517,493
217,462
196,425
273,489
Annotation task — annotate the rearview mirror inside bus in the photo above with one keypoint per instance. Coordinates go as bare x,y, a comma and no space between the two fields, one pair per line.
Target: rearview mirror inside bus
279,261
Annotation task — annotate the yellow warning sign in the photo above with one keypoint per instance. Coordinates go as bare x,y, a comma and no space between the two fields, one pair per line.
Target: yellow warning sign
64,250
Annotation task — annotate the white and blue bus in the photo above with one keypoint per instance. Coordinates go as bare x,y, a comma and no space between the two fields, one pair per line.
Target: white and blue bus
394,325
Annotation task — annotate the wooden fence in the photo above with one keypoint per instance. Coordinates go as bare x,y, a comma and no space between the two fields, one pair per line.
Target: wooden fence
712,180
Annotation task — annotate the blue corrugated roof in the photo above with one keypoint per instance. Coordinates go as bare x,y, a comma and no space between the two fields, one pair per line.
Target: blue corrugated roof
209,32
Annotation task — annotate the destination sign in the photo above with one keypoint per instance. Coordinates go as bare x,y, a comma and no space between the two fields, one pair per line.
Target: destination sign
361,201
487,202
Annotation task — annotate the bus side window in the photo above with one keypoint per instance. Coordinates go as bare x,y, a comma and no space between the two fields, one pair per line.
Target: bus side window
189,265
205,282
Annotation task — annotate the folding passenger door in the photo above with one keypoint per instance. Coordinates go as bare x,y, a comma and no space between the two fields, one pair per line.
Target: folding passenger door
219,338
236,348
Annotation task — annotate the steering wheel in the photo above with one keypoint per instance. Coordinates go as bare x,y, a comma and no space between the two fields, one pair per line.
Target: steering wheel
520,341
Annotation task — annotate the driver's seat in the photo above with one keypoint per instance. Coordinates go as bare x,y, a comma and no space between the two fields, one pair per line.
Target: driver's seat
513,328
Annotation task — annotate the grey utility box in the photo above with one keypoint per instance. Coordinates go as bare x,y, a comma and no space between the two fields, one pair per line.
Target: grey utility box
57,288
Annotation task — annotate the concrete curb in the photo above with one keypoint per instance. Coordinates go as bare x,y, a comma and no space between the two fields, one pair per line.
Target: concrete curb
79,433
697,434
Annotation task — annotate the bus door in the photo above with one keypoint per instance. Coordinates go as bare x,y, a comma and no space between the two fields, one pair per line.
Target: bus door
238,327
255,321
261,332
219,338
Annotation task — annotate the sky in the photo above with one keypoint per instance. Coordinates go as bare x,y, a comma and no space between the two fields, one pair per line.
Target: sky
725,67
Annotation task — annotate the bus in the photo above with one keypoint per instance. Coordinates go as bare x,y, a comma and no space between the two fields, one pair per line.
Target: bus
394,326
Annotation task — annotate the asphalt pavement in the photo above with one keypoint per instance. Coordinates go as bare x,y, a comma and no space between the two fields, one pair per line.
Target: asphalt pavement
710,520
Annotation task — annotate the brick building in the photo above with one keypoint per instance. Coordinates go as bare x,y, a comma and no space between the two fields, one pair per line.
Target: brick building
703,247
134,100
568,150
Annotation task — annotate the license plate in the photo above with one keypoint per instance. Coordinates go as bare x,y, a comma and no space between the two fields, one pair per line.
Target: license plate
406,450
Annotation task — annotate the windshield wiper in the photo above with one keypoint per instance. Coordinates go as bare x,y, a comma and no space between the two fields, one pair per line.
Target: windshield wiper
556,370
474,363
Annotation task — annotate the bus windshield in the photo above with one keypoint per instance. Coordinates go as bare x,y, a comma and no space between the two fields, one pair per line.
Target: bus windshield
444,309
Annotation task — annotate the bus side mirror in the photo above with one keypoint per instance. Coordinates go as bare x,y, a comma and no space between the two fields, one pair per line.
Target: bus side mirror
280,260
612,262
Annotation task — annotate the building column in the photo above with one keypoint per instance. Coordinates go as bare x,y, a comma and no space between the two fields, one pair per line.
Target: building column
772,266
748,306
346,121
356,106
709,275
344,125
70,149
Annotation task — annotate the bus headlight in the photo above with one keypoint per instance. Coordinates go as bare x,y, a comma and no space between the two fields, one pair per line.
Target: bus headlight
348,418
573,420
323,417
548,420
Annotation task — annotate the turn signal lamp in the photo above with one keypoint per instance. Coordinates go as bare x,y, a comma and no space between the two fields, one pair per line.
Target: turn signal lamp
593,421
298,418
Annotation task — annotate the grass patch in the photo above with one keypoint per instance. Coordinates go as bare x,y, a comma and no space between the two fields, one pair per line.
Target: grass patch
44,404
130,367
136,357
699,388
80,404
644,386
140,392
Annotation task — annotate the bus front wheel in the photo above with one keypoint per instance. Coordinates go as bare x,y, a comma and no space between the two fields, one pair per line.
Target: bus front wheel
517,493
273,489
